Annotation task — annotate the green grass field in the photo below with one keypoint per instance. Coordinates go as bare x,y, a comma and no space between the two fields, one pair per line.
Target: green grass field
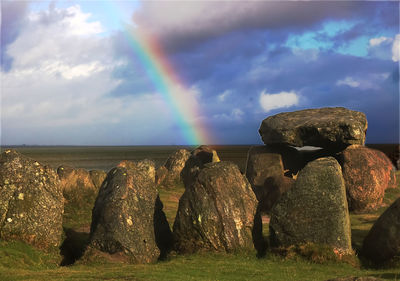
19,261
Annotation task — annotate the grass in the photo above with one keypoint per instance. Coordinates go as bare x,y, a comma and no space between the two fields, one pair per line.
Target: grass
19,261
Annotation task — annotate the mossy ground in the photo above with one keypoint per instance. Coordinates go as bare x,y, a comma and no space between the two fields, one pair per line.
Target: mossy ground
19,261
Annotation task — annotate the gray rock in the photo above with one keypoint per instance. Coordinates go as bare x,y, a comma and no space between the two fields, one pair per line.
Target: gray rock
216,211
314,210
31,201
324,127
382,242
123,215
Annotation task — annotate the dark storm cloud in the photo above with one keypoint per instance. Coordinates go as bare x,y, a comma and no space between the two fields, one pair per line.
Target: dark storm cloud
12,17
186,24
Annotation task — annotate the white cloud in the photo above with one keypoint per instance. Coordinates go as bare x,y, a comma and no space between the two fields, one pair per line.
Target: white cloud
396,48
57,91
222,97
370,81
235,115
378,41
279,100
348,81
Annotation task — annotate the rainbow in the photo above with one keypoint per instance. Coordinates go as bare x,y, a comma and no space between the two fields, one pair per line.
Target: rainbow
182,104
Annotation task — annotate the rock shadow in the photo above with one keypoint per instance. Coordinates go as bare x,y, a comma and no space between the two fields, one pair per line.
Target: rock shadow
162,231
260,242
74,246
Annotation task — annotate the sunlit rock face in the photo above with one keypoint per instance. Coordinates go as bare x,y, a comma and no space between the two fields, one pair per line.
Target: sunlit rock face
367,174
127,213
216,211
31,201
323,127
314,210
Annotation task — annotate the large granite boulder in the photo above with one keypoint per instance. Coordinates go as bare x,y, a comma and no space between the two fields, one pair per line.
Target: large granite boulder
31,201
314,210
382,243
71,178
123,215
261,164
198,158
367,174
324,127
216,211
274,188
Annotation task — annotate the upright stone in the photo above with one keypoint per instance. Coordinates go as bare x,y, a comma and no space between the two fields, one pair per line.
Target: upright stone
323,127
97,176
314,210
123,215
261,164
367,174
216,211
382,243
31,201
176,162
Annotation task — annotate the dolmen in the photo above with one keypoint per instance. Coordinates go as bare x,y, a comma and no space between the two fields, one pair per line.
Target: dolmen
31,201
313,170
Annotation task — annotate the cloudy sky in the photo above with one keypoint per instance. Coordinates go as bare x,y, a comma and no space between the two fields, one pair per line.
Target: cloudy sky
70,74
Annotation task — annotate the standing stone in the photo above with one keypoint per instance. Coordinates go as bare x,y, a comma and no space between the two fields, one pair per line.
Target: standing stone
382,243
216,211
274,188
314,210
330,127
176,162
367,174
261,165
198,158
123,215
97,176
31,201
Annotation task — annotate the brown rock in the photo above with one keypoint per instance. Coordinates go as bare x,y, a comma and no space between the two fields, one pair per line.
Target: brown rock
176,162
216,211
273,189
161,175
367,174
31,201
97,176
382,243
261,164
198,158
323,127
71,178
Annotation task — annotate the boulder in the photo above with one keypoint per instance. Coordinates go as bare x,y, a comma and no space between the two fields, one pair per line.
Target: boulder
216,211
272,191
123,215
97,176
31,201
261,164
382,243
367,174
323,127
198,158
314,210
161,175
176,162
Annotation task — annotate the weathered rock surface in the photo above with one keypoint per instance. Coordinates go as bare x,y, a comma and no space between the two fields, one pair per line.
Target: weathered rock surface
123,215
314,210
176,162
382,242
161,175
323,127
71,178
216,211
198,158
261,164
97,176
31,201
274,188
367,174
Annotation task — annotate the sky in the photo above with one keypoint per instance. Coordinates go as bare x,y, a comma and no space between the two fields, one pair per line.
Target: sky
191,72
